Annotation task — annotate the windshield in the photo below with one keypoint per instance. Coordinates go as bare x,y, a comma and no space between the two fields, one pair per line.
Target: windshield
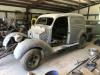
45,21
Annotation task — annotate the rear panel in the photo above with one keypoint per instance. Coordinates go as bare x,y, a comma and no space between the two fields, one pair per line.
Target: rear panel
77,24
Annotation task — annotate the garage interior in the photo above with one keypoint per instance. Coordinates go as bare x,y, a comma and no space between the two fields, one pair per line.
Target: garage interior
21,15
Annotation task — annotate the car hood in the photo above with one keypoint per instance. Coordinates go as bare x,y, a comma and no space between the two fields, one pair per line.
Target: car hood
38,29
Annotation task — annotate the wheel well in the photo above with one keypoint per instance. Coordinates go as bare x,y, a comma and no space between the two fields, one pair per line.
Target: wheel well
84,35
37,48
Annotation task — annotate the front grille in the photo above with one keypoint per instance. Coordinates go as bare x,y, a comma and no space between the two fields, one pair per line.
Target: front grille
44,36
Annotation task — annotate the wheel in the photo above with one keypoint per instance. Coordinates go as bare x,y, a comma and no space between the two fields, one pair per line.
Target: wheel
31,59
82,42
90,37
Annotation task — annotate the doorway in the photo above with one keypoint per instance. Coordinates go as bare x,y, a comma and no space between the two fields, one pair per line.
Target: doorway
59,31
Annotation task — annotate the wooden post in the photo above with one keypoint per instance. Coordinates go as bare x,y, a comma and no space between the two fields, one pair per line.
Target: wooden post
88,12
79,7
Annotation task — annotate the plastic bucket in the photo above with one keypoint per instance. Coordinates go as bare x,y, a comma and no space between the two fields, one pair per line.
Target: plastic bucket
53,72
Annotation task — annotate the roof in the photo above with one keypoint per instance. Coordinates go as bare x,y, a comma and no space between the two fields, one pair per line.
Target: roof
60,14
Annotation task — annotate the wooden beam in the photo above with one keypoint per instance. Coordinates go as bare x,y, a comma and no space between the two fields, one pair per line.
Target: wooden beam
61,4
51,7
17,1
88,6
30,1
12,4
38,5
64,2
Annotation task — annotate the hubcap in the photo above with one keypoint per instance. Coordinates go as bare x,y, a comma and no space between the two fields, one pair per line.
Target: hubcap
33,60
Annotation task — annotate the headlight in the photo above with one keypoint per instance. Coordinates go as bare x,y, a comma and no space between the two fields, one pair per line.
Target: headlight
33,35
30,34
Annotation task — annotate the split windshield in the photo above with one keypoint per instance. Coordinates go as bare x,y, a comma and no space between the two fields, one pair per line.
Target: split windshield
45,21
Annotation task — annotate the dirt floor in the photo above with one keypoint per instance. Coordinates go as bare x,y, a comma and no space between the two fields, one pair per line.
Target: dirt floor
62,62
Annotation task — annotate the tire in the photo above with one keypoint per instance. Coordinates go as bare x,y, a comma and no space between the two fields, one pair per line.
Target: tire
90,37
82,42
31,59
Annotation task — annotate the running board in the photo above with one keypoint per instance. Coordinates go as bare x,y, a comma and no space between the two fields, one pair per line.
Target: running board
57,48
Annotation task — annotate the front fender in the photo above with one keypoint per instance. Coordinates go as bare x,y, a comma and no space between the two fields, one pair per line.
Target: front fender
28,44
8,37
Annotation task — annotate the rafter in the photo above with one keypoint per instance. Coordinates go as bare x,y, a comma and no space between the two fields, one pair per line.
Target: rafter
57,2
12,4
55,5
17,1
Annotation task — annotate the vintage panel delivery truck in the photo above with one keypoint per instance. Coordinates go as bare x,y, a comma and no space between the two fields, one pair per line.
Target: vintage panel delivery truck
50,33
